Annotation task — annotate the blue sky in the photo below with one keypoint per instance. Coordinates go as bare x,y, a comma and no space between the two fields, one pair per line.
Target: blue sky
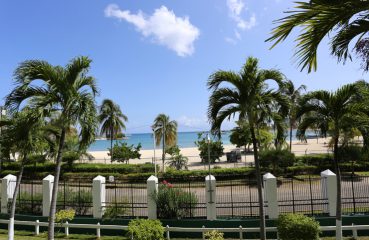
154,57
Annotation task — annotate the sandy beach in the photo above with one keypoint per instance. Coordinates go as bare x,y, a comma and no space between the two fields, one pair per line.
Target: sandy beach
194,162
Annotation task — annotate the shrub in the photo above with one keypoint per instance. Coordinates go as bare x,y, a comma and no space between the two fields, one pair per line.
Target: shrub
80,200
297,227
216,149
123,153
70,157
276,159
113,211
145,229
63,216
214,235
174,202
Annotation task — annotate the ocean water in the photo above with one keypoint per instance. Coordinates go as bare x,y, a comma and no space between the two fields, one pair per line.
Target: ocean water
185,140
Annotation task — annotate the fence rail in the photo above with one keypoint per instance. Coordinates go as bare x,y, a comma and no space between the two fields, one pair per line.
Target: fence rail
242,231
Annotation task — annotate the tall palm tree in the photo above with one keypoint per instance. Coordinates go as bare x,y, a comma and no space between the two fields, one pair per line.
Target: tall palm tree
343,22
246,94
335,109
68,90
165,133
22,133
294,95
112,120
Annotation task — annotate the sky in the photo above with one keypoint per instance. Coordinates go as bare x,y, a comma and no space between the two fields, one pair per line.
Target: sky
154,57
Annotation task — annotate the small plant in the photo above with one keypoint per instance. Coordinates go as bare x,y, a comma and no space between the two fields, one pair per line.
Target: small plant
276,160
214,235
62,216
297,227
174,202
113,211
123,152
145,229
216,148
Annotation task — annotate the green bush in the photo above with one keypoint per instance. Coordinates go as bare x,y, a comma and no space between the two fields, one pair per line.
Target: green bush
114,212
145,229
276,160
174,202
297,227
214,235
79,200
216,149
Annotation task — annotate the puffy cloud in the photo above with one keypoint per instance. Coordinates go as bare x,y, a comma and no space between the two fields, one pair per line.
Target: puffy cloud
193,122
163,27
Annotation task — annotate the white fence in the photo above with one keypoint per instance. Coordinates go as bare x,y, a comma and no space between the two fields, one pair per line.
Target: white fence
242,231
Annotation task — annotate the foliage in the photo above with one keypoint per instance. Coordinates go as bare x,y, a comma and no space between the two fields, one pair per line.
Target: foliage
276,160
112,119
79,199
343,22
176,160
174,202
214,235
113,211
173,150
241,135
70,157
216,148
297,227
63,216
145,229
123,153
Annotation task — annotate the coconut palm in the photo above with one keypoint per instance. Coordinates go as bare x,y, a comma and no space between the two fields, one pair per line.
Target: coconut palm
165,131
343,22
68,90
293,94
335,110
22,133
247,95
112,120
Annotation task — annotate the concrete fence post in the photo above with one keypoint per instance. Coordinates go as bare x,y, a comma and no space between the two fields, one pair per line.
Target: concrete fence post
211,205
329,191
47,190
152,190
270,193
7,190
98,196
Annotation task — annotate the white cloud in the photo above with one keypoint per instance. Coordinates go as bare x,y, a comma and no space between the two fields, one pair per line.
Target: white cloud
230,40
193,122
235,8
163,27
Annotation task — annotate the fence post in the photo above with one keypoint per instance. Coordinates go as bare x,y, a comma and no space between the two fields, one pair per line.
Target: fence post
98,196
203,233
47,190
7,191
168,232
152,189
241,234
329,191
98,232
37,227
66,229
211,207
270,193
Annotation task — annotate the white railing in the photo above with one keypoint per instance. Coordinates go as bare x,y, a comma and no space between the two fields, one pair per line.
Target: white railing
168,230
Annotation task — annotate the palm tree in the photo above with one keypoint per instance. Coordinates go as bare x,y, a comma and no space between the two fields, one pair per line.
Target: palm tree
165,131
112,120
68,90
293,94
335,110
247,95
178,161
342,22
22,132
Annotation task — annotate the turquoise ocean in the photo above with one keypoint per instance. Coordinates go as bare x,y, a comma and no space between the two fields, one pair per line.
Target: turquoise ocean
185,140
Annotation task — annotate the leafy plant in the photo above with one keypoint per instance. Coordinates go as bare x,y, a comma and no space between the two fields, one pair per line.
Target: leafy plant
216,148
174,202
80,200
297,227
145,229
276,159
214,235
123,153
63,216
177,160
114,211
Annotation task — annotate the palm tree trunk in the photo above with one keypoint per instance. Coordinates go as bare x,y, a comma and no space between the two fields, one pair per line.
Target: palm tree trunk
111,143
163,154
12,209
338,175
258,182
55,186
290,136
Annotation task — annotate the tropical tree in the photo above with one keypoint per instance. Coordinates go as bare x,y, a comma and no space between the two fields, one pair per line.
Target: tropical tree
165,131
343,22
23,132
67,90
293,94
335,109
112,121
247,95
240,135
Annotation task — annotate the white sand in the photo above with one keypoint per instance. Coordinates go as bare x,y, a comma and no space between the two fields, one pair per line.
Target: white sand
299,148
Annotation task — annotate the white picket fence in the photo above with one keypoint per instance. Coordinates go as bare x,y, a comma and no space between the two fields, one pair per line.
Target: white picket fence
242,231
